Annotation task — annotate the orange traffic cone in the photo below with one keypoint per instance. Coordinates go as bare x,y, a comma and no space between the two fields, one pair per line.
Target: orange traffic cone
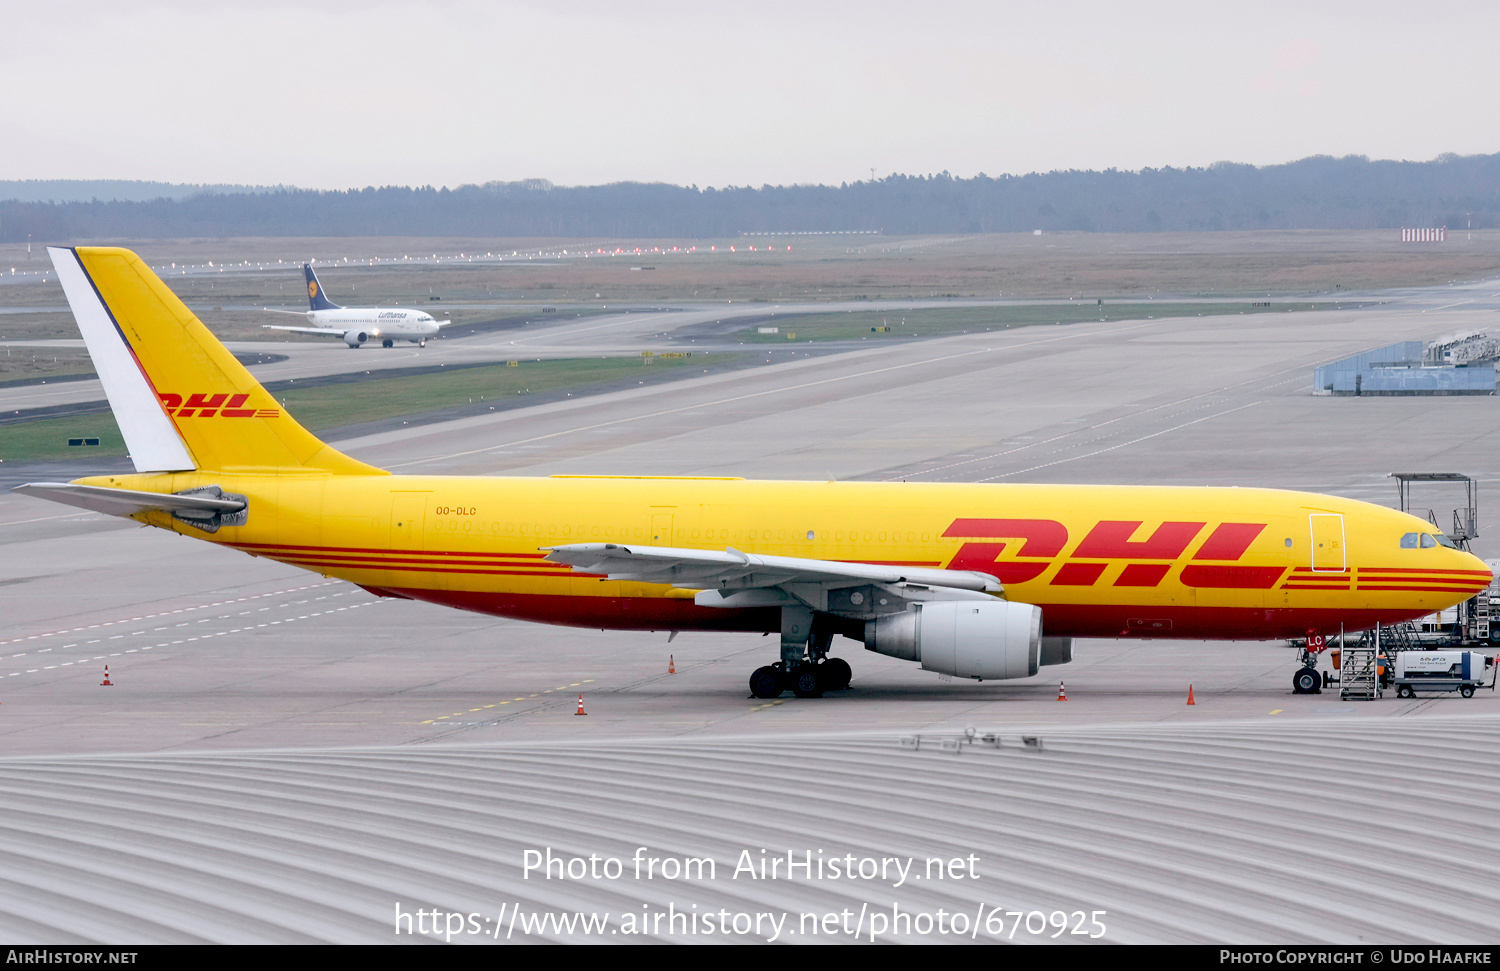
580,710
1062,691
671,664
1190,695
106,681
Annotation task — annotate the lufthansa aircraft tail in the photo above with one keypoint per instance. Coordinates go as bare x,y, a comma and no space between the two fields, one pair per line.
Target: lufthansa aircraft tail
182,401
315,298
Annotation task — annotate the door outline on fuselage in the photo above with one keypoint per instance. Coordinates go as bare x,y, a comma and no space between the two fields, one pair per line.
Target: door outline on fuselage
1328,552
661,525
408,517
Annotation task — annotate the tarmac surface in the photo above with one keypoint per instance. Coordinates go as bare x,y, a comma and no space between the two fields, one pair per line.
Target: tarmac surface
281,757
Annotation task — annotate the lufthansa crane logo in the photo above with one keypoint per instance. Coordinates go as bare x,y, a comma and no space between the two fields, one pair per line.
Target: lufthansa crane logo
312,288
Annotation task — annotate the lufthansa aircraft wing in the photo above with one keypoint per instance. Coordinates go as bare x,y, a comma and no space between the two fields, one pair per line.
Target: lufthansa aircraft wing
324,331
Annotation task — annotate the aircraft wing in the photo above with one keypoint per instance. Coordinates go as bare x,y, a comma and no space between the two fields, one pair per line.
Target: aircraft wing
734,579
325,331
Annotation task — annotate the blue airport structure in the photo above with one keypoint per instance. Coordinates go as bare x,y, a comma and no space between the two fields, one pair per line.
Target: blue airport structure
1398,369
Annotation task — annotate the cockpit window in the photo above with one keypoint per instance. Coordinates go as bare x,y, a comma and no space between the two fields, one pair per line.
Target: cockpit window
1426,541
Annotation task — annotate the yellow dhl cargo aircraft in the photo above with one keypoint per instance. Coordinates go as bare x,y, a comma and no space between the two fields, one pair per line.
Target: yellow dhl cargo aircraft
964,579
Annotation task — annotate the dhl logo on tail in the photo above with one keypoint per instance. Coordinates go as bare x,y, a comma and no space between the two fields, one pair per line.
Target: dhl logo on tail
203,405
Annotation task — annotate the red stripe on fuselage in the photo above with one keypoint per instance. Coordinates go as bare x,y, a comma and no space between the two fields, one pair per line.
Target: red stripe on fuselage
1065,620
258,547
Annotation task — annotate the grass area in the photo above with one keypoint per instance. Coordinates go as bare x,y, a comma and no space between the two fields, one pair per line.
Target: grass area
34,363
347,400
863,324
330,406
1248,265
46,439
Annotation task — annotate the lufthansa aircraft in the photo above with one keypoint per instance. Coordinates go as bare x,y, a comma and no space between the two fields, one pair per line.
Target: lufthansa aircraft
355,325
970,581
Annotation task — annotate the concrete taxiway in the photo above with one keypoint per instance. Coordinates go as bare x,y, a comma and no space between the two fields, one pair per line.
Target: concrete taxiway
281,757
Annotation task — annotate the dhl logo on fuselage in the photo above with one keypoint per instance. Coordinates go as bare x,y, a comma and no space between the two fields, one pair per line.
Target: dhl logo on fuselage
204,405
1107,543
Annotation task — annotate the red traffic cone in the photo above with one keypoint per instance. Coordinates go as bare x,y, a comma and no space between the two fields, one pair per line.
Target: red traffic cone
671,664
1190,695
106,682
1062,691
580,710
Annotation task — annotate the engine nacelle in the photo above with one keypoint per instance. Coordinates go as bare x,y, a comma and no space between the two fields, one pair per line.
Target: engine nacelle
987,640
354,338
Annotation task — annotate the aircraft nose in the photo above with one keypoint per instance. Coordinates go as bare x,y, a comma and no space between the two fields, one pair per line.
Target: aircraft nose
1475,563
1475,571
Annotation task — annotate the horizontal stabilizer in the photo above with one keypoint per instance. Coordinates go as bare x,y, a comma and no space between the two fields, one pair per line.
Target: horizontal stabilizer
127,502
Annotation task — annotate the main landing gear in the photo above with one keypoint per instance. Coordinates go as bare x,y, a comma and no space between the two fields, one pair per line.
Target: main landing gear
805,666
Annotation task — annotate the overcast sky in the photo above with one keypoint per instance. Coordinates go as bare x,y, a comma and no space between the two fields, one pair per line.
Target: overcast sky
332,94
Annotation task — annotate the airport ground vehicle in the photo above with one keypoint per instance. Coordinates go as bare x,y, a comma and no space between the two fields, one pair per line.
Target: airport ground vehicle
969,580
1461,671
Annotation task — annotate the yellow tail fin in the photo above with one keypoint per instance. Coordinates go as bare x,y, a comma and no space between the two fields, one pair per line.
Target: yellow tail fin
181,399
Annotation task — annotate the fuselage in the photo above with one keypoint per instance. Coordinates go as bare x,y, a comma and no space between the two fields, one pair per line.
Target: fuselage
379,324
1100,561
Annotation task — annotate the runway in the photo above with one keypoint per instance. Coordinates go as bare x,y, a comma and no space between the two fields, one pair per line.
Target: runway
244,691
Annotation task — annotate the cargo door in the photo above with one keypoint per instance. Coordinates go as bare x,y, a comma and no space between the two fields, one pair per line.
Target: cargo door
661,528
408,513
1328,554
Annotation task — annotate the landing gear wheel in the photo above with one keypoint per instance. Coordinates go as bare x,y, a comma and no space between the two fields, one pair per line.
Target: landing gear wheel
387,343
806,683
1467,691
1307,682
766,682
836,674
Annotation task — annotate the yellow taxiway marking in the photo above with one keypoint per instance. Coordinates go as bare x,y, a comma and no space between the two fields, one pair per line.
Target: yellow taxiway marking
1275,711
769,704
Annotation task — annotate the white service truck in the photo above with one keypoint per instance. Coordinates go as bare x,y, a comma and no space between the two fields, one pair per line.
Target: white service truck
1460,671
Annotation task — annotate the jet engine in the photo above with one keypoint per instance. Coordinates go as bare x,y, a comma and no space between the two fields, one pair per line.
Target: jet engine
354,338
984,640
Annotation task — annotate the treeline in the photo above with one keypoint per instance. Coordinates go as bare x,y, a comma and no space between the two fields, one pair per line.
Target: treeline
1321,192
75,190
